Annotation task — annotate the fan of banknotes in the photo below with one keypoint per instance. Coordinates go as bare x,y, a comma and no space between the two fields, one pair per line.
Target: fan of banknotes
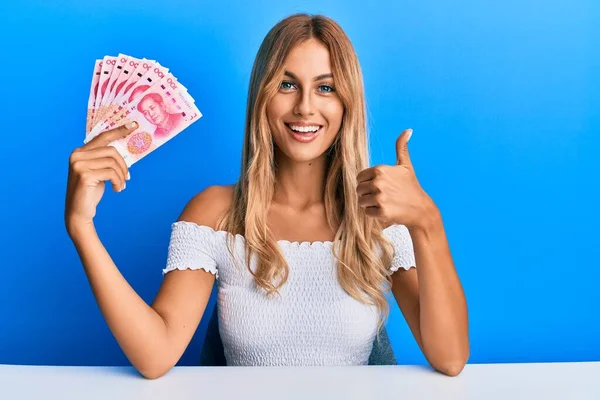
126,89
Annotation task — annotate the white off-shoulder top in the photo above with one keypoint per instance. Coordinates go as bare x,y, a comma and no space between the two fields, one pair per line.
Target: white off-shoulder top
313,321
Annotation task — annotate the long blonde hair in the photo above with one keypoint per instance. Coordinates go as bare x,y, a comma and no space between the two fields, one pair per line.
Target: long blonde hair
362,252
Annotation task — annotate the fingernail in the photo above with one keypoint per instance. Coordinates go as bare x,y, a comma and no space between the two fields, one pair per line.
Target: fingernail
131,125
124,186
410,131
128,175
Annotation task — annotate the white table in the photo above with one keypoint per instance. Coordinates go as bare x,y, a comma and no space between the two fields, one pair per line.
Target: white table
477,381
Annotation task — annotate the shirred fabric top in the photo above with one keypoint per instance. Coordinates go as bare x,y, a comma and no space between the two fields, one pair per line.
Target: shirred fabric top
313,321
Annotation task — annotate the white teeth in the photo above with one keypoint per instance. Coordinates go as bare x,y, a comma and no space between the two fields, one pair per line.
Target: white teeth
305,129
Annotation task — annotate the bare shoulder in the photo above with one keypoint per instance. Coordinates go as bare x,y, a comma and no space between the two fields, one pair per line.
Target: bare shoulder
206,207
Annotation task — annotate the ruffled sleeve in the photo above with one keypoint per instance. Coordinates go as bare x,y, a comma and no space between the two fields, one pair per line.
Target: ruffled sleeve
191,246
404,255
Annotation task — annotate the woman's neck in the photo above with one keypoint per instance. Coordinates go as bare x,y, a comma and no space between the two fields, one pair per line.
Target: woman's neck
300,185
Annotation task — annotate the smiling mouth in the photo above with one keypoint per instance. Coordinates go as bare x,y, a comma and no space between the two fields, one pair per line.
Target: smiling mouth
302,132
304,137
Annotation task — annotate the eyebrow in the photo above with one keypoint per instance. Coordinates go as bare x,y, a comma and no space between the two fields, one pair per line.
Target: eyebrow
318,78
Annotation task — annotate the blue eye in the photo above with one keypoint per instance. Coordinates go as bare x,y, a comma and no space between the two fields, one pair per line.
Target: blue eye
286,85
329,88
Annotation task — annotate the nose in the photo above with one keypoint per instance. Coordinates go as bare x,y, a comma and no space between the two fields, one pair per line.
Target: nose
304,105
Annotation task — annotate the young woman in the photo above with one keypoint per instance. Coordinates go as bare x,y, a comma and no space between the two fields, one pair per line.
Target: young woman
304,246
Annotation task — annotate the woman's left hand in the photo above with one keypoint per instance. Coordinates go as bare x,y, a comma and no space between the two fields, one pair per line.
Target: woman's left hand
393,193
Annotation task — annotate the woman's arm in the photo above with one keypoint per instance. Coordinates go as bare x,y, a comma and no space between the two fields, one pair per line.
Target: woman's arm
430,297
139,330
432,300
152,337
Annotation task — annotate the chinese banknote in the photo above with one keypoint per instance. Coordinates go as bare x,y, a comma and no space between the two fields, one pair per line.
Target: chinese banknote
125,89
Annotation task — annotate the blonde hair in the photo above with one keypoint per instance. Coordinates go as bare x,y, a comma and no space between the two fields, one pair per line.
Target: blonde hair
363,254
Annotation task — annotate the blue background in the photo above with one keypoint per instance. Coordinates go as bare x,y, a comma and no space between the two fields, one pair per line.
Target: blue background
503,98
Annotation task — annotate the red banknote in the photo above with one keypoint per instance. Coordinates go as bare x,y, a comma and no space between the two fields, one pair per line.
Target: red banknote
124,89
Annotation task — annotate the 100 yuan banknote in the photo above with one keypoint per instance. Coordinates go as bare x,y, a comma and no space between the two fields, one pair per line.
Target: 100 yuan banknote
130,102
110,103
131,73
108,63
92,98
162,112
116,111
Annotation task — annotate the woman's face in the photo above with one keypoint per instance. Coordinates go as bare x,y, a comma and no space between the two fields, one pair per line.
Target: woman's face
305,102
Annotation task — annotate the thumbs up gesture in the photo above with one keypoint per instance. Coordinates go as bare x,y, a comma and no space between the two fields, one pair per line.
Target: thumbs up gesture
393,193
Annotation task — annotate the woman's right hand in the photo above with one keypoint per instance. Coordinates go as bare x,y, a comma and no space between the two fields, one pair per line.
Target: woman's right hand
89,166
